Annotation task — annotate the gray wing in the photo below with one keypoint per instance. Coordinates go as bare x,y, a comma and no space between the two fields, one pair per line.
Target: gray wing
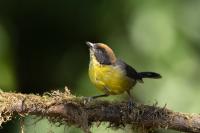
130,72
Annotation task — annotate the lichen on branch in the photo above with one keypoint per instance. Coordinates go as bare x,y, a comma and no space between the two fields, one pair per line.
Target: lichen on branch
66,109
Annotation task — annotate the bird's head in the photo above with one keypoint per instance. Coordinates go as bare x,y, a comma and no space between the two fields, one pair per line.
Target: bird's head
102,53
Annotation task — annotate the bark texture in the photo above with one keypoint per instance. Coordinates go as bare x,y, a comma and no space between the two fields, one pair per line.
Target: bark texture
67,109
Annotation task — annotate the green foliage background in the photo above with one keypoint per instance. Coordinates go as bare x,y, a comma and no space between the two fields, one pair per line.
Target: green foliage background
42,47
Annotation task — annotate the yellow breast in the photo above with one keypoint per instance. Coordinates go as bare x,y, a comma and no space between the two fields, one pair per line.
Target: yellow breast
109,79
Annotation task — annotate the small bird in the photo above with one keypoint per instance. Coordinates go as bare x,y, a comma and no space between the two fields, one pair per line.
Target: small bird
110,75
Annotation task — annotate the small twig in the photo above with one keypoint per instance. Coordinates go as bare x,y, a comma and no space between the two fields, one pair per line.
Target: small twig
64,108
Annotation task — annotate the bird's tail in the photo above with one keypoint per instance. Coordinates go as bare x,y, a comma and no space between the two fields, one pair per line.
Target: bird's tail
149,75
153,75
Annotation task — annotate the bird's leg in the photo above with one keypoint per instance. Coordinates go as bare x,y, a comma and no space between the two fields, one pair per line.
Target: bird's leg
104,95
97,96
130,101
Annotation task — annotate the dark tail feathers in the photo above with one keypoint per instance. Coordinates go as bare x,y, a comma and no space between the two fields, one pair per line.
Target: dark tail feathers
153,75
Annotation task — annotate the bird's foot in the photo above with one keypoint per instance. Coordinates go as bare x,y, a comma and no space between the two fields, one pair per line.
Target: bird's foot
88,99
131,104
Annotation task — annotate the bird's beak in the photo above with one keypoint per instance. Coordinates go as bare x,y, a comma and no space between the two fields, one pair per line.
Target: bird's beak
90,45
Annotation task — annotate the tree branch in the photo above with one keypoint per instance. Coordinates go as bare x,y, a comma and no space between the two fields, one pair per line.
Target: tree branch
68,109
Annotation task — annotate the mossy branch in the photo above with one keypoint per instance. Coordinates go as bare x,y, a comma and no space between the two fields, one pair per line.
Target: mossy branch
68,109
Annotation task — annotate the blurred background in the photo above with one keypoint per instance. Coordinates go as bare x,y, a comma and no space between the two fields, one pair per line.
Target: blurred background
42,48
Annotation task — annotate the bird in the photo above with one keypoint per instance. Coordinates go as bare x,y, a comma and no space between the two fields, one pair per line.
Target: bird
110,75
